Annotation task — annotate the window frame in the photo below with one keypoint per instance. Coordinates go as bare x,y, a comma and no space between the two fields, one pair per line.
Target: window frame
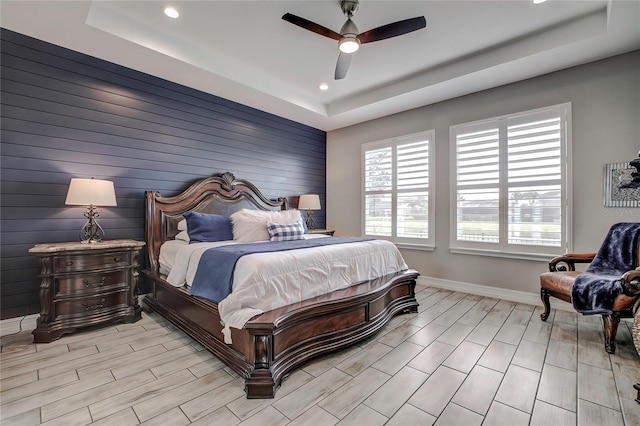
402,242
503,248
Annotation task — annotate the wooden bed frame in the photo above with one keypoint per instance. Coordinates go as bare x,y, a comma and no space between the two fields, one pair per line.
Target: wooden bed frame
272,344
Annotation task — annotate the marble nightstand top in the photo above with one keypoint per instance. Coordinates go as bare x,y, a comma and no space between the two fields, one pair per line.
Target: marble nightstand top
78,246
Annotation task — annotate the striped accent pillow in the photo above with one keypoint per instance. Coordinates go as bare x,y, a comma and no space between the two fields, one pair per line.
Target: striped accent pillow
291,232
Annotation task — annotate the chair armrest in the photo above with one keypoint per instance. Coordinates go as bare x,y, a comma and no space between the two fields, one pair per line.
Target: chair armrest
568,261
631,282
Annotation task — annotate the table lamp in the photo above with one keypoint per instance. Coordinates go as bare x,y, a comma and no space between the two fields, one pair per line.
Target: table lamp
91,193
309,202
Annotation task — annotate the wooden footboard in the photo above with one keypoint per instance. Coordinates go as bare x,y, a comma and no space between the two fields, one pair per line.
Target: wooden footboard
276,342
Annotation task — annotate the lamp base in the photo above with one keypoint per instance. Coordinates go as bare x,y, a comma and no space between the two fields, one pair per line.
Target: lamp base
91,232
310,223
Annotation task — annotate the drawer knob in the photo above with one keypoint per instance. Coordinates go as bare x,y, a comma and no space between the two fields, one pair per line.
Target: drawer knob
87,284
116,259
69,262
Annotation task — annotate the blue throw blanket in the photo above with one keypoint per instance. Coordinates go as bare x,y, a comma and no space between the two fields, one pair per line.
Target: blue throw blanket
214,277
594,290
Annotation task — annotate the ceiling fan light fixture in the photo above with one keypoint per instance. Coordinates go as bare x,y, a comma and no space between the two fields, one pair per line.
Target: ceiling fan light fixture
349,38
349,44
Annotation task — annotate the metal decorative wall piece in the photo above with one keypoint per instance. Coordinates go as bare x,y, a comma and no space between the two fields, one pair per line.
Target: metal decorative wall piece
622,184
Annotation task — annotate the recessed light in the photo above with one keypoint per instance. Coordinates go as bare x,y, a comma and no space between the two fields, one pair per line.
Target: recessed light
324,86
171,12
538,1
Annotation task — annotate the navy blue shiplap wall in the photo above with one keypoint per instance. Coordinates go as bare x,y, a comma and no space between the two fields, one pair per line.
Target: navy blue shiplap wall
66,114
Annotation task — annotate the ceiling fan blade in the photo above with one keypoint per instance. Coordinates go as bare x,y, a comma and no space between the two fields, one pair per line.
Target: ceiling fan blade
311,26
344,59
393,30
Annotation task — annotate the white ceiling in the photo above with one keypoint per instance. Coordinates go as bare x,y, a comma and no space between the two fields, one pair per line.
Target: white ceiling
244,51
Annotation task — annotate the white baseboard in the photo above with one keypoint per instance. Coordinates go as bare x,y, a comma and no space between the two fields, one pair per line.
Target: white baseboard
16,325
495,292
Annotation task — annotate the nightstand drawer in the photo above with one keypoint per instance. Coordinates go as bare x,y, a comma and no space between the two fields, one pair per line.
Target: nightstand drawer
90,283
90,305
79,263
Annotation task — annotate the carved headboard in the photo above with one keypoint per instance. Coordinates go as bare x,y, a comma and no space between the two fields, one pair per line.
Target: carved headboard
222,195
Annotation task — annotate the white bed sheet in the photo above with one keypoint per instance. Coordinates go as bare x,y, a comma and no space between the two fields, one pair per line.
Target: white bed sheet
266,281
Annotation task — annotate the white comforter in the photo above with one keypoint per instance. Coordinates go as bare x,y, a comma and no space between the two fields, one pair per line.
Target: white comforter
266,281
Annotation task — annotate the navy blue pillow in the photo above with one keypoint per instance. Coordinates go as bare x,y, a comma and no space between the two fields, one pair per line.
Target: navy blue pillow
204,227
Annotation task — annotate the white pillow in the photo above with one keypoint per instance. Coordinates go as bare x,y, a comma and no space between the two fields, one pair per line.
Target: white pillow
287,217
251,225
182,225
182,236
302,221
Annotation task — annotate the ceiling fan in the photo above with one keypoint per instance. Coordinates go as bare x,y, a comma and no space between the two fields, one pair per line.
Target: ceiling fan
349,40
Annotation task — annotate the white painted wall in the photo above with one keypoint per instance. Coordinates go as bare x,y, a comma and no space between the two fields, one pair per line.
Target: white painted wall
605,97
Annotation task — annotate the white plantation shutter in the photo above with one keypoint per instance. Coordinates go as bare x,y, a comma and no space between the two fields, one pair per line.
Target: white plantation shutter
511,182
396,177
378,184
477,175
534,176
413,189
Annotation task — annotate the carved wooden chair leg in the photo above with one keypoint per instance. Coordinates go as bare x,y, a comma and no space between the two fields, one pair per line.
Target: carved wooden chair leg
610,323
544,295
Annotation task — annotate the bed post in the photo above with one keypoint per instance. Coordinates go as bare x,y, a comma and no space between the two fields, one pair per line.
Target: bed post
260,383
153,228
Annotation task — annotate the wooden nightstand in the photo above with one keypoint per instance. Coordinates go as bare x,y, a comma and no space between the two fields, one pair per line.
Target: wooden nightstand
86,284
322,231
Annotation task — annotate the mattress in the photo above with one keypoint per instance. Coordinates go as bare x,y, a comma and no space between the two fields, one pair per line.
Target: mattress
266,281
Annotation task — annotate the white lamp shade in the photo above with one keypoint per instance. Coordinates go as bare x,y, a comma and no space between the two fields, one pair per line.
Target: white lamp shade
309,202
87,192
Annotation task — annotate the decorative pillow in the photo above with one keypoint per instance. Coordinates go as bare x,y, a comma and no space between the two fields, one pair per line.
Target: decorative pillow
286,217
182,225
289,232
182,235
204,227
302,221
251,225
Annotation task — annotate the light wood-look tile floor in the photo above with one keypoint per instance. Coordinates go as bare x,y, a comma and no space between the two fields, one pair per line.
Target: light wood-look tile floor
461,360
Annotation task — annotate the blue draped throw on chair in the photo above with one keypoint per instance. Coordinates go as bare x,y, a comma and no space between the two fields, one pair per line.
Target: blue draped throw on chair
594,290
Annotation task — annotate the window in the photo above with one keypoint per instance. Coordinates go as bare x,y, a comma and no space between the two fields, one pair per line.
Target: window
510,190
396,190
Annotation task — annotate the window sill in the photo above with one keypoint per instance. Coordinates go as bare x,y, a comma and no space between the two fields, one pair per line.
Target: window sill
507,255
421,247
